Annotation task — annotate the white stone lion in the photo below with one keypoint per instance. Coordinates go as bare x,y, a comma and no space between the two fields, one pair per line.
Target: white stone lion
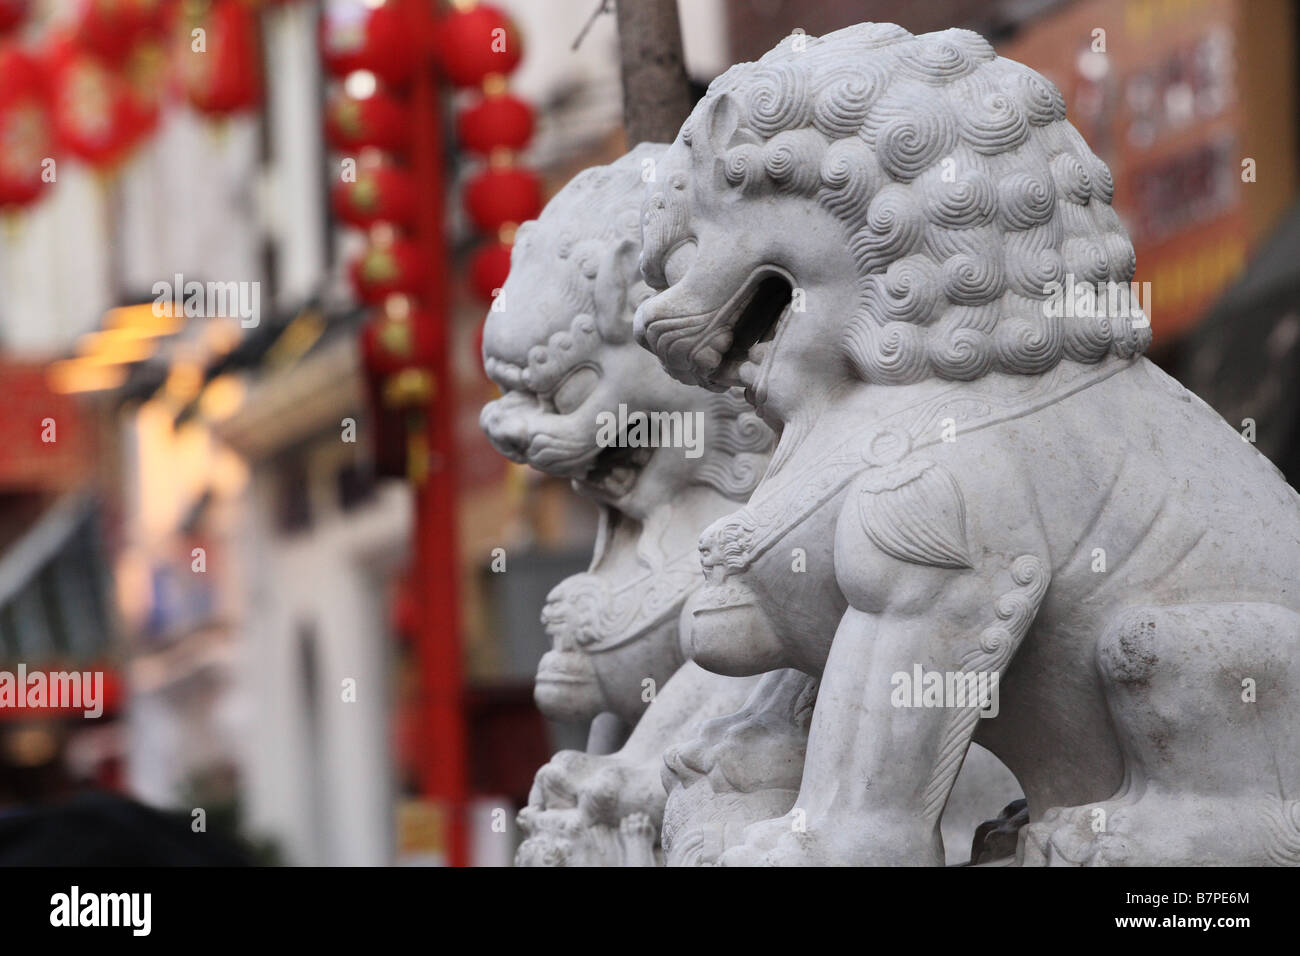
870,233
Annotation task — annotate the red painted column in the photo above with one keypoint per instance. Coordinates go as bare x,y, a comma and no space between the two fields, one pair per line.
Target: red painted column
435,574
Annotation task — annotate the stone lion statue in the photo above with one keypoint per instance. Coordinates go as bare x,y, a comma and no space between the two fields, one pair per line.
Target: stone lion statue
871,234
616,626
559,344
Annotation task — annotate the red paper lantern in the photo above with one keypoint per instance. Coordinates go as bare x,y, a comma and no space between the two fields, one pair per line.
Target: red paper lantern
12,14
495,197
90,106
381,193
379,120
225,77
495,122
106,28
26,132
399,348
387,268
473,44
383,40
397,338
153,18
22,76
488,269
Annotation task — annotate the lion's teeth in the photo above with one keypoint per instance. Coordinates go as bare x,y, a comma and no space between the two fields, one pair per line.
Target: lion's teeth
747,373
758,352
721,341
710,358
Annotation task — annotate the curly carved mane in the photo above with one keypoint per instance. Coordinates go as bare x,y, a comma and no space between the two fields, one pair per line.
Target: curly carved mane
963,191
580,243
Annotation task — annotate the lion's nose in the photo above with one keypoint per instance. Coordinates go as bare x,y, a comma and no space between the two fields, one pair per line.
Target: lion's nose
507,430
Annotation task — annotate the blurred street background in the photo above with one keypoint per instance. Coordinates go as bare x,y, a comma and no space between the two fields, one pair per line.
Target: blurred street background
247,246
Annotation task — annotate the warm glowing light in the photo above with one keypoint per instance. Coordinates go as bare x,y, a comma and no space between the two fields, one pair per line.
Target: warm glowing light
360,84
79,375
300,335
221,398
183,382
145,319
229,472
115,347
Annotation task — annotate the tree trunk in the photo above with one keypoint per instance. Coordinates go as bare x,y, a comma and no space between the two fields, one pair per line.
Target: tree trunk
656,92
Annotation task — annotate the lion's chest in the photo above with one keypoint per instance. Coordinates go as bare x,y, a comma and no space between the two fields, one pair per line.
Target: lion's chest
777,578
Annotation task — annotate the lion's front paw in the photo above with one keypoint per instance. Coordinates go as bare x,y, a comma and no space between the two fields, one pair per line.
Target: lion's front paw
552,838
556,785
860,839
1064,837
744,855
593,810
776,842
617,789
1154,828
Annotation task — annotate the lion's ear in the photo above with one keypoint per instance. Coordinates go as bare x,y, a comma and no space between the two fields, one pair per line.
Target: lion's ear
618,269
722,125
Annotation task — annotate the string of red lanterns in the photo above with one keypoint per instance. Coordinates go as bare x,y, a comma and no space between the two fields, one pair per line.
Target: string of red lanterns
479,48
96,87
372,49
225,76
385,119
25,127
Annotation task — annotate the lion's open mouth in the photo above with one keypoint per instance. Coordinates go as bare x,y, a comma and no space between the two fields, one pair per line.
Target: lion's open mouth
615,470
749,327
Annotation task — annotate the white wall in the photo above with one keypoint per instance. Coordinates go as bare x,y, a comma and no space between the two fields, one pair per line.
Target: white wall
332,577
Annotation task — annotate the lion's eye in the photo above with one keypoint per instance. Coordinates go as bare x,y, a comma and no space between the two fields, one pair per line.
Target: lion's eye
575,388
679,261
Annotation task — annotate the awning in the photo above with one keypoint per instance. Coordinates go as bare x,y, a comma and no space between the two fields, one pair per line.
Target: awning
53,587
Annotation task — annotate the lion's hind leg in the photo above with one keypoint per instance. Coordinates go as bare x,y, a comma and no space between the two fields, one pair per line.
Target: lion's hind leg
1206,700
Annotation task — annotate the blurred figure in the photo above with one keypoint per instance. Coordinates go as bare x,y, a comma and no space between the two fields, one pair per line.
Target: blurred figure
46,819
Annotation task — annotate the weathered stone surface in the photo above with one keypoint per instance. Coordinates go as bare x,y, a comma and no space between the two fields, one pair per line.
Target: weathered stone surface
559,343
879,238
568,307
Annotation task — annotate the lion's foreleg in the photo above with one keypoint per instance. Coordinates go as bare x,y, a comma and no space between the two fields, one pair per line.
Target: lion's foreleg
901,696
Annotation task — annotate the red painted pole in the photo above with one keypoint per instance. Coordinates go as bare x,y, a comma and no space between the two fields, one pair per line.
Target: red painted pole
436,573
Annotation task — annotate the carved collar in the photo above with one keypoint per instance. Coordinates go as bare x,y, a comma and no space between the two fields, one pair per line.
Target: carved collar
787,498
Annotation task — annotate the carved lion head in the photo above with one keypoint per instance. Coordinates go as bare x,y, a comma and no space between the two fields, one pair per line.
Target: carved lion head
882,207
558,342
